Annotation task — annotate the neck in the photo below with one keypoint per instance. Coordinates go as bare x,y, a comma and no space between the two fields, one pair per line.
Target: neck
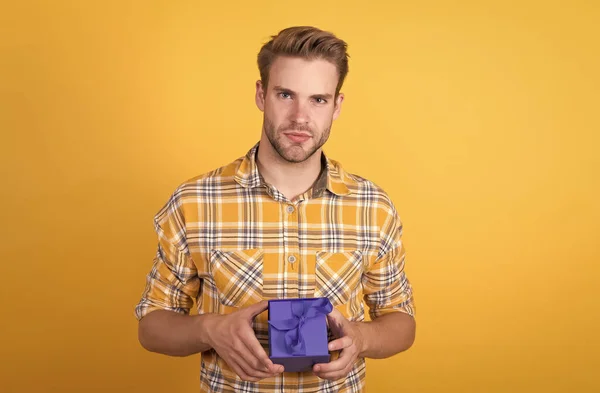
291,179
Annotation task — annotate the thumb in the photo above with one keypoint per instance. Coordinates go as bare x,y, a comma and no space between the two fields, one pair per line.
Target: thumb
257,308
335,319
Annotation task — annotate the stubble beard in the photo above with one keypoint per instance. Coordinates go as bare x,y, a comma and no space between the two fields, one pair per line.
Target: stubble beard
275,137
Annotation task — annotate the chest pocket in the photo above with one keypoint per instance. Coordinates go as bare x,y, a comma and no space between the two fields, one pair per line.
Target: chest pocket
238,276
338,275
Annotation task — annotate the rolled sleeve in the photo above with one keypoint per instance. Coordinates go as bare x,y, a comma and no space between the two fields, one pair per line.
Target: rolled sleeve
173,282
385,284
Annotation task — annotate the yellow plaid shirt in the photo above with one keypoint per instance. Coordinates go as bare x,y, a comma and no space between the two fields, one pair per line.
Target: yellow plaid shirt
227,239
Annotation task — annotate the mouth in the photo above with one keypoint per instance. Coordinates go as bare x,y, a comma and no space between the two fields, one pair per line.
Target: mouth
297,137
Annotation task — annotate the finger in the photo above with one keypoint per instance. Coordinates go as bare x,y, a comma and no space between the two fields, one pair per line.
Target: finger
334,376
339,364
336,315
260,357
257,308
340,343
331,367
250,370
239,370
250,363
336,321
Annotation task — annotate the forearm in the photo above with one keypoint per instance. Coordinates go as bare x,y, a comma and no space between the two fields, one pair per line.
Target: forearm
174,334
387,335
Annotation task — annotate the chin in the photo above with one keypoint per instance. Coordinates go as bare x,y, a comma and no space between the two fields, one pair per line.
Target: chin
295,158
298,157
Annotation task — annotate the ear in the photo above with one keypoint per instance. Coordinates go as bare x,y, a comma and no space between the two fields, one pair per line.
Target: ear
260,96
338,105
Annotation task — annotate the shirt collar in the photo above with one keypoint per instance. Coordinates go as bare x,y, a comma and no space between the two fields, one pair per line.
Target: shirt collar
332,177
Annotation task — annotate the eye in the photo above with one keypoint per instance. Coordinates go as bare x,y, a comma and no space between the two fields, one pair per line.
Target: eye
320,100
283,94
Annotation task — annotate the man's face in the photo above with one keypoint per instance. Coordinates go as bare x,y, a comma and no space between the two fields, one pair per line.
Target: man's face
299,106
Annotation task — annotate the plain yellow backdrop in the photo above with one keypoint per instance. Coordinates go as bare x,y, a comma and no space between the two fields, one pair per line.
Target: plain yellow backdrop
480,119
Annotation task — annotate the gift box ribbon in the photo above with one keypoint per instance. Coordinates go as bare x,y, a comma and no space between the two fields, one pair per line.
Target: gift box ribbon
302,311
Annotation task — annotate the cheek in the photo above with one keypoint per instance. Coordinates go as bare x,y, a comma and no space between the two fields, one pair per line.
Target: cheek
323,118
275,111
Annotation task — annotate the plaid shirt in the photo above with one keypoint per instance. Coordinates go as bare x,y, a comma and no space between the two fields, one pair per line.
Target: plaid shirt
227,239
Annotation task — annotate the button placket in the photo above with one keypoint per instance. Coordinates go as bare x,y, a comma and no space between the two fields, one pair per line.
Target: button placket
291,247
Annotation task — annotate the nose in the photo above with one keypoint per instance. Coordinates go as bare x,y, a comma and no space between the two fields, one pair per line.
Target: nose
299,112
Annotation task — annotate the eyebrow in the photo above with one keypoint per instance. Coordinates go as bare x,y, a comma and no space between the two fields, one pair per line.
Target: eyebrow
286,90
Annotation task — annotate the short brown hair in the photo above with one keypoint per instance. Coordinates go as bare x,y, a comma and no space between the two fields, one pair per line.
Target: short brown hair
305,42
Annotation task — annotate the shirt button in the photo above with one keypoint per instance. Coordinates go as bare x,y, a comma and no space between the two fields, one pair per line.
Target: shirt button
290,209
291,259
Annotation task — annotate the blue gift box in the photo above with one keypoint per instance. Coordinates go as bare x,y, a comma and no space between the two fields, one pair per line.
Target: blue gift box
298,332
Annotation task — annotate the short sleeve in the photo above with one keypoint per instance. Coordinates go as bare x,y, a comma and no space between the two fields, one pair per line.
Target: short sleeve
173,282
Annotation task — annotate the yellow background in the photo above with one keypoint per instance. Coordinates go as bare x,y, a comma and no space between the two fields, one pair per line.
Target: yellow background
480,119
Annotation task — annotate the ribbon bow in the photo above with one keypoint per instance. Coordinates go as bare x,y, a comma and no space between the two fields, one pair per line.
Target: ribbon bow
301,312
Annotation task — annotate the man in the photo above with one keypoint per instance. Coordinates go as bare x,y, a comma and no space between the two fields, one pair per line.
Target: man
284,221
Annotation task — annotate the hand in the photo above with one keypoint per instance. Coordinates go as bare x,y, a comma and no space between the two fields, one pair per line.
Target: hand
349,341
232,337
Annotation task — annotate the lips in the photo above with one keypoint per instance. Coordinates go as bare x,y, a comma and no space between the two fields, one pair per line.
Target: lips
297,137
